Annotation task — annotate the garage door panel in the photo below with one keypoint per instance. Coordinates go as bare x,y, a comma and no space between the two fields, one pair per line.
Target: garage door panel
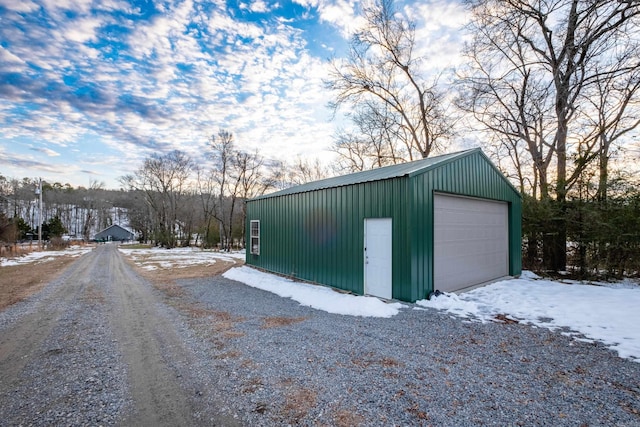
470,241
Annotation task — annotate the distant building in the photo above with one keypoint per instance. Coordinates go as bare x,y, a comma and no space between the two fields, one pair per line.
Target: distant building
114,233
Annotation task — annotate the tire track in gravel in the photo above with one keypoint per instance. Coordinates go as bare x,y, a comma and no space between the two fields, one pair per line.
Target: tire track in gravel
158,360
145,339
22,341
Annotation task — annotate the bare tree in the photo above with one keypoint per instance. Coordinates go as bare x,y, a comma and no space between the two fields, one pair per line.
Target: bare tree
208,202
164,181
282,174
374,144
233,177
252,182
513,105
381,74
5,191
91,205
222,153
536,68
616,107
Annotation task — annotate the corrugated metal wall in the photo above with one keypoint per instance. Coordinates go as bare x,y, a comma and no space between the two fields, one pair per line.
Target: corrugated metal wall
319,235
472,176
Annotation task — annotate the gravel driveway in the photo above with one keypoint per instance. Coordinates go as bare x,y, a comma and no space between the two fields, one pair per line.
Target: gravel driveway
98,347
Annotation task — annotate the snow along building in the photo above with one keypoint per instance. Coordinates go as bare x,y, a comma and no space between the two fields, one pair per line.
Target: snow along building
442,223
114,233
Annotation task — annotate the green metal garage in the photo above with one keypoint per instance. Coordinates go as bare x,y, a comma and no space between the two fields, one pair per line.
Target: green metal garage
443,223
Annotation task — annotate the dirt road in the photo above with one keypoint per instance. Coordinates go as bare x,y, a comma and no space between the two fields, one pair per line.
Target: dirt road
98,347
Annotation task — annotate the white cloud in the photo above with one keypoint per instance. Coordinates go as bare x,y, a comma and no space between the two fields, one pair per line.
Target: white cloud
46,151
260,6
83,29
439,32
11,63
81,7
340,13
23,6
258,81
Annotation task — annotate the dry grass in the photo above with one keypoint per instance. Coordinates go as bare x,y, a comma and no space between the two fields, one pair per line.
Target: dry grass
299,401
224,323
233,354
169,289
502,318
168,276
278,322
371,359
18,282
417,412
221,323
346,418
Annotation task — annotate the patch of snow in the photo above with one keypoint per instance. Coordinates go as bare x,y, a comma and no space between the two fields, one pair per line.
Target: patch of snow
314,296
44,256
178,257
526,274
607,314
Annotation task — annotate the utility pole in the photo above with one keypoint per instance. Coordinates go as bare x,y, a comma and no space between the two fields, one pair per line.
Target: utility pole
39,193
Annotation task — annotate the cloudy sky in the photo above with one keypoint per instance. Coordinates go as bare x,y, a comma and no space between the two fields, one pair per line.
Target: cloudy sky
89,88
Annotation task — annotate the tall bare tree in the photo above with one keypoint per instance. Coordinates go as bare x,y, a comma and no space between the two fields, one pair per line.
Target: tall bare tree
222,153
382,74
617,112
375,142
537,67
233,176
252,182
91,204
208,202
282,174
164,180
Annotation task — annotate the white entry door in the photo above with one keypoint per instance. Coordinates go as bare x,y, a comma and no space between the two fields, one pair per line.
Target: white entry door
471,241
377,257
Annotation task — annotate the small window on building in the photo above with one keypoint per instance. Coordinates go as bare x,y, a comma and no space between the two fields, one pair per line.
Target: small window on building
255,237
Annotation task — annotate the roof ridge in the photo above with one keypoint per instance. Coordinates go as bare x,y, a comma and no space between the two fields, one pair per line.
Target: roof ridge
377,174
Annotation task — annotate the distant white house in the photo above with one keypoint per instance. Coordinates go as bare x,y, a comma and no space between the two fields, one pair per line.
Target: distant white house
114,233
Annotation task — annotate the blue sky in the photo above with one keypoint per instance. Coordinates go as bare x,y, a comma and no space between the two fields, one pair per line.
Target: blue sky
88,89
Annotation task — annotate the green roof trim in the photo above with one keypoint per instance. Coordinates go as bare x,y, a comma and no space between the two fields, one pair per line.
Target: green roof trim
379,174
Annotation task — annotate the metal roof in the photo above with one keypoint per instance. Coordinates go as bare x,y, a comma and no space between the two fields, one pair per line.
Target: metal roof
386,172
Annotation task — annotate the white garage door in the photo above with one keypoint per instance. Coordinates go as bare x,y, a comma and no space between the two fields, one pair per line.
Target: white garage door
470,241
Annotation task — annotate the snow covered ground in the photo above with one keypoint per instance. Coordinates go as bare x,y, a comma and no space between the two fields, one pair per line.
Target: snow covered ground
606,312
44,256
609,313
318,297
154,258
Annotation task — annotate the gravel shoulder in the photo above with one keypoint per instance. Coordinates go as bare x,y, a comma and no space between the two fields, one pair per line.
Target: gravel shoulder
101,345
290,364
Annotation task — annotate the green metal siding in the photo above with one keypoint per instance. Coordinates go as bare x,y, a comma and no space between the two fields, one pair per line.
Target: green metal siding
318,235
473,176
